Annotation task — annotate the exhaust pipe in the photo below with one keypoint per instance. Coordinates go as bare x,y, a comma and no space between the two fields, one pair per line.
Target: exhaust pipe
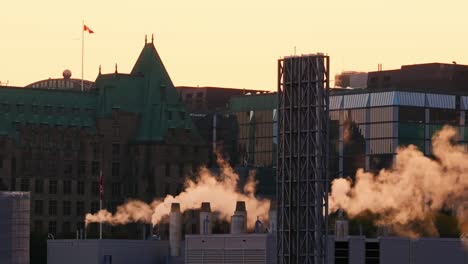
239,219
175,229
206,226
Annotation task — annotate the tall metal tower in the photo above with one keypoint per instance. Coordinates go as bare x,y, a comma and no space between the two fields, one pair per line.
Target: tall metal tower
302,170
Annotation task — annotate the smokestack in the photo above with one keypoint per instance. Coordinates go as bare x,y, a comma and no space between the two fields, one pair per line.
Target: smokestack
239,219
175,229
272,218
341,227
206,226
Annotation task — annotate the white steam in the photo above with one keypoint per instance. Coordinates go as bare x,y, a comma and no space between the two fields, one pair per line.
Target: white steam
220,190
414,189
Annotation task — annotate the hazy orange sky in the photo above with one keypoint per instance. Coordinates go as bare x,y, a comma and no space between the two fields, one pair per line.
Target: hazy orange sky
226,43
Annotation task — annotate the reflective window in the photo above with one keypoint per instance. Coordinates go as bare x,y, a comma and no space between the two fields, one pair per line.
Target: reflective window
411,114
381,146
444,116
382,130
382,114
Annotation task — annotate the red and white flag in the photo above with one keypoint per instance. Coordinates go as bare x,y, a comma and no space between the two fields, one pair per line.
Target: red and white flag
86,28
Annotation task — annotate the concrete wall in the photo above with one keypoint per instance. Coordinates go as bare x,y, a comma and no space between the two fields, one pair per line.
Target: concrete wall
439,250
395,250
91,251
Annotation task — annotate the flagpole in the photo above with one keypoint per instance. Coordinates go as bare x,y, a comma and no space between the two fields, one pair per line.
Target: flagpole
82,53
101,194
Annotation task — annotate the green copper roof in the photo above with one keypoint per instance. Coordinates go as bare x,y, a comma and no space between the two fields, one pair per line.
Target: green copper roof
147,91
45,107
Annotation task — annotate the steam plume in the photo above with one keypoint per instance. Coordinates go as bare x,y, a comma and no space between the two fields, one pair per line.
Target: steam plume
221,191
415,188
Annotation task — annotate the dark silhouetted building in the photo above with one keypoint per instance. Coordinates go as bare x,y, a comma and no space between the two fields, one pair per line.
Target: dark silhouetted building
430,76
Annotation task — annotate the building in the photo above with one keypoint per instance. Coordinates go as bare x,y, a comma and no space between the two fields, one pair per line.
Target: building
438,76
209,109
351,79
256,117
204,100
367,126
14,227
132,128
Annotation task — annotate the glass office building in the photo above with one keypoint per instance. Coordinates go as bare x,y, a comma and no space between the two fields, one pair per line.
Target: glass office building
366,126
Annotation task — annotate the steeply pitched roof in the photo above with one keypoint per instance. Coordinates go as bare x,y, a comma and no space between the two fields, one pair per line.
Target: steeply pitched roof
147,90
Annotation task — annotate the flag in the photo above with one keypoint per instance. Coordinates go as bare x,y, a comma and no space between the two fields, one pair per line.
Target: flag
86,28
101,186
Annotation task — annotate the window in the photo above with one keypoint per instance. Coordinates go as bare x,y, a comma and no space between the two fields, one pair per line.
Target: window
80,208
38,226
38,207
200,94
66,208
35,109
67,170
66,187
66,227
20,108
411,114
116,189
95,150
116,131
52,207
5,108
94,207
115,169
52,227
95,168
95,188
24,185
81,167
48,109
38,186
80,187
115,151
169,115
168,169
52,186
182,115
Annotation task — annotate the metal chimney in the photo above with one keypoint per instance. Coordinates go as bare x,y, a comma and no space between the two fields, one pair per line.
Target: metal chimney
341,227
175,229
239,219
206,226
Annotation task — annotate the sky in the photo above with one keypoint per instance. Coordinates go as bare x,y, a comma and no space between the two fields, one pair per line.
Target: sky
226,43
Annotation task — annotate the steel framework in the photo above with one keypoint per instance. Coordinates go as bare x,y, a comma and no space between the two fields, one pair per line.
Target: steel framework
302,170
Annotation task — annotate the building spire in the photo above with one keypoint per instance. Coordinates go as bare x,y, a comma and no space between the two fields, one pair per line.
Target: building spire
146,38
152,38
116,68
99,69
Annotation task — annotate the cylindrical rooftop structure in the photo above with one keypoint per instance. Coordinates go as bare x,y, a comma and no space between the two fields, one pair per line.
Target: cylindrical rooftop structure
175,229
206,226
239,219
